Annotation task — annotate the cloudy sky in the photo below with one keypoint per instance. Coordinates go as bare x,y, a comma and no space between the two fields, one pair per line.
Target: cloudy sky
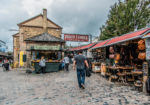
75,16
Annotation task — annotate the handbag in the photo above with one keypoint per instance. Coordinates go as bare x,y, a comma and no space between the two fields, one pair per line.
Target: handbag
88,73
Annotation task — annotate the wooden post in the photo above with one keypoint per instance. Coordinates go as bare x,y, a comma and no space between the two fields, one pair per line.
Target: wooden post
145,75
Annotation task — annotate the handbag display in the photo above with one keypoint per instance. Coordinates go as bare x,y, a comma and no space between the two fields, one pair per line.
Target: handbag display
142,56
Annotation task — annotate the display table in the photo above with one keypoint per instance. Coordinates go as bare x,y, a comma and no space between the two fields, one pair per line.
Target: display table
96,67
50,66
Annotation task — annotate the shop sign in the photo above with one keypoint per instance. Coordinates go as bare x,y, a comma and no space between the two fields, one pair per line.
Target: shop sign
45,47
76,37
148,49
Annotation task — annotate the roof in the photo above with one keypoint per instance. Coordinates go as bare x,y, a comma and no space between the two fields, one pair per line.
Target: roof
83,47
86,46
19,24
3,54
17,34
45,37
127,37
100,44
146,36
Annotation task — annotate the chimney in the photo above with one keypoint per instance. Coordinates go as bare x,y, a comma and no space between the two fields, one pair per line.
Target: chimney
45,20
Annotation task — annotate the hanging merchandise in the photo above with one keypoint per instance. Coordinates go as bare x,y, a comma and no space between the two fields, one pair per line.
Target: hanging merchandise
141,42
142,56
141,47
117,56
111,49
111,56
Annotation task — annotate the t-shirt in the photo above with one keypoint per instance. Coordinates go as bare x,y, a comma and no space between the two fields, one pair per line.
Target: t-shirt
80,61
66,60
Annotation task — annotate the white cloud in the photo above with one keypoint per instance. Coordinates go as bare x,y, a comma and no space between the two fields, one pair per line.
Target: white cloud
75,16
34,7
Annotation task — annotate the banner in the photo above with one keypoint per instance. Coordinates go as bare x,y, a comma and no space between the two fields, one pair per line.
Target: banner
45,47
76,37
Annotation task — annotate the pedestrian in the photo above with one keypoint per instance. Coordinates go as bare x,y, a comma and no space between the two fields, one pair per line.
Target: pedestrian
66,62
6,64
42,65
80,62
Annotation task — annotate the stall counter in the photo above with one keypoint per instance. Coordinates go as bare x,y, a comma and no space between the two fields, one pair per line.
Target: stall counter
50,66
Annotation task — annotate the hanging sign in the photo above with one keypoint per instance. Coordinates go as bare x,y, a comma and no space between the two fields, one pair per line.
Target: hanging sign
76,37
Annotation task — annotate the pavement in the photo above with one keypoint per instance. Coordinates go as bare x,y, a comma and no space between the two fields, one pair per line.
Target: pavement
61,88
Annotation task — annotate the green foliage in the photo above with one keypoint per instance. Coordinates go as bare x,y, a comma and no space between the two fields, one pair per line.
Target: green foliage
125,17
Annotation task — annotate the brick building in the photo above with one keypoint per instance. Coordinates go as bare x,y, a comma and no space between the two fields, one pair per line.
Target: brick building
35,33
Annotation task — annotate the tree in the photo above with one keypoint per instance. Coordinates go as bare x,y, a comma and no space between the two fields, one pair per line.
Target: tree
126,16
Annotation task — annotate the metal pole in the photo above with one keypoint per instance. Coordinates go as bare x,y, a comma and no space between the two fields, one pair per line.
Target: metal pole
90,38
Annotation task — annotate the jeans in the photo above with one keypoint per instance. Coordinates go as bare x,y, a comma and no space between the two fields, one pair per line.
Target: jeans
81,77
67,66
43,69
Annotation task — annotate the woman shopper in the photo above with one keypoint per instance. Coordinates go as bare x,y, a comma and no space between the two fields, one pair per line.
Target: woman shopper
42,65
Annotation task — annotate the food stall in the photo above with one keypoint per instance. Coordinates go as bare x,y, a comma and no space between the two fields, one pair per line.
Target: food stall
48,46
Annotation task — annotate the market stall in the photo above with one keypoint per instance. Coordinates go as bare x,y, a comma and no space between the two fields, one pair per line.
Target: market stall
99,56
48,46
124,58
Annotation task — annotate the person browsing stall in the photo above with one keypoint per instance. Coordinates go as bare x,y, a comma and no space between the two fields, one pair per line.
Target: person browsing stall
42,64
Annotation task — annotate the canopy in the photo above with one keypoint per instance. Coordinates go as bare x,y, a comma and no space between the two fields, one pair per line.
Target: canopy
83,47
127,37
100,44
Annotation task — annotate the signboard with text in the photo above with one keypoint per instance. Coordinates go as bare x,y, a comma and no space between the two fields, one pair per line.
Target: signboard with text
76,37
45,47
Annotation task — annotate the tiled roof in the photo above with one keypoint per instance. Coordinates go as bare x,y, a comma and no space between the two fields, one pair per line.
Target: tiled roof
127,37
100,44
45,37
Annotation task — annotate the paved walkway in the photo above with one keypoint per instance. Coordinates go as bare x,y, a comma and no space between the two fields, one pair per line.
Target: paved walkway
60,88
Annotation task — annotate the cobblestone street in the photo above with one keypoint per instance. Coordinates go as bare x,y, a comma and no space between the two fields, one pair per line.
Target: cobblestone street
60,88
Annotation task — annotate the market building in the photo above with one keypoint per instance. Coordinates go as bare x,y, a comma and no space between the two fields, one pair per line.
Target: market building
37,36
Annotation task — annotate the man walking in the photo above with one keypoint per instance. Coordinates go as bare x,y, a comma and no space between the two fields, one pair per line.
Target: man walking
66,61
80,62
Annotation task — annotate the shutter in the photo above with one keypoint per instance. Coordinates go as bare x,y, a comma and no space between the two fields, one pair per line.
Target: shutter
24,58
